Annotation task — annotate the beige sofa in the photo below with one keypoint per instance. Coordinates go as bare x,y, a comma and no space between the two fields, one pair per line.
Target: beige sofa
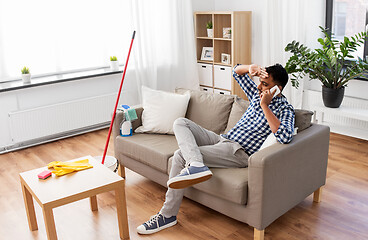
278,177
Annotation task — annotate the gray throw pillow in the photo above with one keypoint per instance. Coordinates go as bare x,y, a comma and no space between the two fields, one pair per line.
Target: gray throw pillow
238,109
302,119
209,110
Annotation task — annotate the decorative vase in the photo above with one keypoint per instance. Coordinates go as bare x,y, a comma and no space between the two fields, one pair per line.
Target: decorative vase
26,78
332,98
114,65
209,33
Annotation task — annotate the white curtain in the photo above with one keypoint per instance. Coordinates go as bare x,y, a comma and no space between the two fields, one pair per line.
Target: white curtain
164,48
283,22
49,37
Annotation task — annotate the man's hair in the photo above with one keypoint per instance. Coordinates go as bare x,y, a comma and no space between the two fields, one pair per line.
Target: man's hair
279,74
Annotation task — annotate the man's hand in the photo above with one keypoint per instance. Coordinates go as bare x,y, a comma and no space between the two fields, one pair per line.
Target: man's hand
273,121
266,97
255,70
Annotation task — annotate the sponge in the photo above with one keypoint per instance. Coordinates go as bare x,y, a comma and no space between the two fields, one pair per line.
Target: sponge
130,114
45,174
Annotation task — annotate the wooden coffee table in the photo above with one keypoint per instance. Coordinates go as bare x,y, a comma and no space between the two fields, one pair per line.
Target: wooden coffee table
57,191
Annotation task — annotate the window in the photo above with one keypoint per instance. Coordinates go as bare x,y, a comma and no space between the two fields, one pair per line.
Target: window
339,20
61,36
346,18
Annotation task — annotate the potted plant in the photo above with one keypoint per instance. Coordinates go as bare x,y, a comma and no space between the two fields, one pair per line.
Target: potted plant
209,29
26,75
114,64
332,64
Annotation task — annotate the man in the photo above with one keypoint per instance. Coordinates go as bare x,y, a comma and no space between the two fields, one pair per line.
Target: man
200,148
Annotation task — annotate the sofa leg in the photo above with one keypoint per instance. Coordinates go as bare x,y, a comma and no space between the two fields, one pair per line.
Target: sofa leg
121,171
317,195
258,234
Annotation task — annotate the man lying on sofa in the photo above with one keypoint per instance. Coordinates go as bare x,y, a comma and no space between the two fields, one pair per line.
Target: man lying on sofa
200,148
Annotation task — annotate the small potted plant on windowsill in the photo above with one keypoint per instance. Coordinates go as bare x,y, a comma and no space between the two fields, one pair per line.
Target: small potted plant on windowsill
332,64
209,29
26,75
114,64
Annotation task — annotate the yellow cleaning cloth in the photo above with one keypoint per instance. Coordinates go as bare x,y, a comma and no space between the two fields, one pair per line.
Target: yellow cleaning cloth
62,168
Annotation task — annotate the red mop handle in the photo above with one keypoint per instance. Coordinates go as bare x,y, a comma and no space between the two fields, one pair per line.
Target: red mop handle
117,101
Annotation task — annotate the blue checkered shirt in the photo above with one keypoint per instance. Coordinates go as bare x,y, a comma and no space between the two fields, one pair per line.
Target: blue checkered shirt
253,129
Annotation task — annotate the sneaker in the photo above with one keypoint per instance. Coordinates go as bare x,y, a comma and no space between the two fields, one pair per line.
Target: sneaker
156,223
189,176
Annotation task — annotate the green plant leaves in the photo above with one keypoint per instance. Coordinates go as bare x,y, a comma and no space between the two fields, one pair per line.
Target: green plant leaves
329,63
25,70
321,41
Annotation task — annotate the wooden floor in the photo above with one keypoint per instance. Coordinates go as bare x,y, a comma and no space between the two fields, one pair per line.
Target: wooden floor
342,214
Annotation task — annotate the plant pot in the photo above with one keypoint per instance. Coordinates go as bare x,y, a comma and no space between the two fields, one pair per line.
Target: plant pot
114,65
210,33
26,78
332,98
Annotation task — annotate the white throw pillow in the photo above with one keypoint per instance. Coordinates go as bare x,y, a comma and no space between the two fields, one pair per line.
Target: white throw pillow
161,109
270,140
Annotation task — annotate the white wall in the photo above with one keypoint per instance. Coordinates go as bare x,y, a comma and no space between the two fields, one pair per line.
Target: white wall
203,5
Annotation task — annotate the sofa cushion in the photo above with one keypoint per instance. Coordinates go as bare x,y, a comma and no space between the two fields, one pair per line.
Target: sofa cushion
153,150
227,183
209,110
302,119
161,109
238,109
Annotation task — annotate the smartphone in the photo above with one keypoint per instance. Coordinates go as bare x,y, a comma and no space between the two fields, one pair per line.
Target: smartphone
277,90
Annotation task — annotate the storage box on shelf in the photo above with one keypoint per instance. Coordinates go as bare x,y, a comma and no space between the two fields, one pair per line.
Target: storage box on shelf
225,92
222,77
206,89
205,74
232,36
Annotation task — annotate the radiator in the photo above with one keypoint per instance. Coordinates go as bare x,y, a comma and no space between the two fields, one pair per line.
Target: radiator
58,118
340,120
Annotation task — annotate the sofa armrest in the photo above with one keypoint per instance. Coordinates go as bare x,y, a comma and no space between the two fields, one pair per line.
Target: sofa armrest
283,175
120,117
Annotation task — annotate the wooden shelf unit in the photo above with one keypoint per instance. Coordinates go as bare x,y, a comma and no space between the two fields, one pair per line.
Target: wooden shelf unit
238,46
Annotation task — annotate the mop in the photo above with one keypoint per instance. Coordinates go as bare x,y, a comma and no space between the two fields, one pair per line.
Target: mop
116,104
63,168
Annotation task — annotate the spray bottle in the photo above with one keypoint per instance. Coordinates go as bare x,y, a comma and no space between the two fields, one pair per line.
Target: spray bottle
130,115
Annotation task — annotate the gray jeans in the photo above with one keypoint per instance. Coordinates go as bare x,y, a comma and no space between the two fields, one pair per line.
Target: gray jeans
199,144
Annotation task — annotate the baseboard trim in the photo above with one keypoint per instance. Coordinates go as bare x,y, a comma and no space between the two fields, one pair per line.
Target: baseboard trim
52,138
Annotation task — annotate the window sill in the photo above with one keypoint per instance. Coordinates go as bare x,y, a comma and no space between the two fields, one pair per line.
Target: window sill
58,78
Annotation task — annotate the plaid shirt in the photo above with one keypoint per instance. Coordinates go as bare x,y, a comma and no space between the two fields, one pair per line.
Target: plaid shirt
252,129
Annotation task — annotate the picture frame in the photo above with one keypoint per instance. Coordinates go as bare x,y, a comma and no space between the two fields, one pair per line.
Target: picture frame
225,58
207,54
226,33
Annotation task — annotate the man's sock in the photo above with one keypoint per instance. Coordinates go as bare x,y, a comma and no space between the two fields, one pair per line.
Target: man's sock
197,164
